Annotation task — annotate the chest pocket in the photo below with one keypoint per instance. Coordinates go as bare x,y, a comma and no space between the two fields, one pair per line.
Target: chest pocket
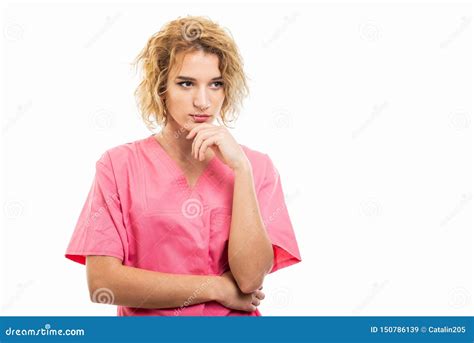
220,220
169,242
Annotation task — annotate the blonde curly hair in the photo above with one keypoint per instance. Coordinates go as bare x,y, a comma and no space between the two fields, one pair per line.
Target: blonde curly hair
192,33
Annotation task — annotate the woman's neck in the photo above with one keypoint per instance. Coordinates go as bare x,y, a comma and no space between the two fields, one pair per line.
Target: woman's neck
173,138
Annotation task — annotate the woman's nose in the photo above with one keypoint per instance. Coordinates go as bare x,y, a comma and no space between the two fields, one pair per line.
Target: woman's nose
201,99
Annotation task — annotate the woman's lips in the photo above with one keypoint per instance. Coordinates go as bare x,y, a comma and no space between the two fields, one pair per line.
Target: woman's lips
200,118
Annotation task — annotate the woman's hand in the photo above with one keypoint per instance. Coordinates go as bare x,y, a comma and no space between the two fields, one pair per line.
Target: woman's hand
219,139
230,295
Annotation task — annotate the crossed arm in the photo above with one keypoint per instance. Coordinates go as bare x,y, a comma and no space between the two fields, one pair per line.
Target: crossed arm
250,252
250,256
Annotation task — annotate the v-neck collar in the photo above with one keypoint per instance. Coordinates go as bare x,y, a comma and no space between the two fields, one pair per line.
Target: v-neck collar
176,169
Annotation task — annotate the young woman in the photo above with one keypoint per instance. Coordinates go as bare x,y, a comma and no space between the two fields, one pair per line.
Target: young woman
186,221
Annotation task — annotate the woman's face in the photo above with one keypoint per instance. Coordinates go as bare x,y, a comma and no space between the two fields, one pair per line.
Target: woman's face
197,88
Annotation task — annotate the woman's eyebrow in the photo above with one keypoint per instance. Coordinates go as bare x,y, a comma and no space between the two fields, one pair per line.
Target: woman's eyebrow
193,79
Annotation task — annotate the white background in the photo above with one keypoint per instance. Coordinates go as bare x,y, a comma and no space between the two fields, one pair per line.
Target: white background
365,110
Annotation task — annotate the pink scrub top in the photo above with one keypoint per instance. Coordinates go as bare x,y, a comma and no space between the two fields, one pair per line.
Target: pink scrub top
141,210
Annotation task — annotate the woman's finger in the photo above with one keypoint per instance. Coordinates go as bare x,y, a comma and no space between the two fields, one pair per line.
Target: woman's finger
198,128
205,144
200,137
256,301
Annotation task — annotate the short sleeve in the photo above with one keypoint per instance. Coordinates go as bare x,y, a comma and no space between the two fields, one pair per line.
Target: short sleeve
276,219
99,229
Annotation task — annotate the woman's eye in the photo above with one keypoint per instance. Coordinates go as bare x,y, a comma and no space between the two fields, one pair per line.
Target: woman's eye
182,83
187,84
218,83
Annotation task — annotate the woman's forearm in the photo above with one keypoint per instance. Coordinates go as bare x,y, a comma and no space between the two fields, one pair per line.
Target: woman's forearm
250,252
134,287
